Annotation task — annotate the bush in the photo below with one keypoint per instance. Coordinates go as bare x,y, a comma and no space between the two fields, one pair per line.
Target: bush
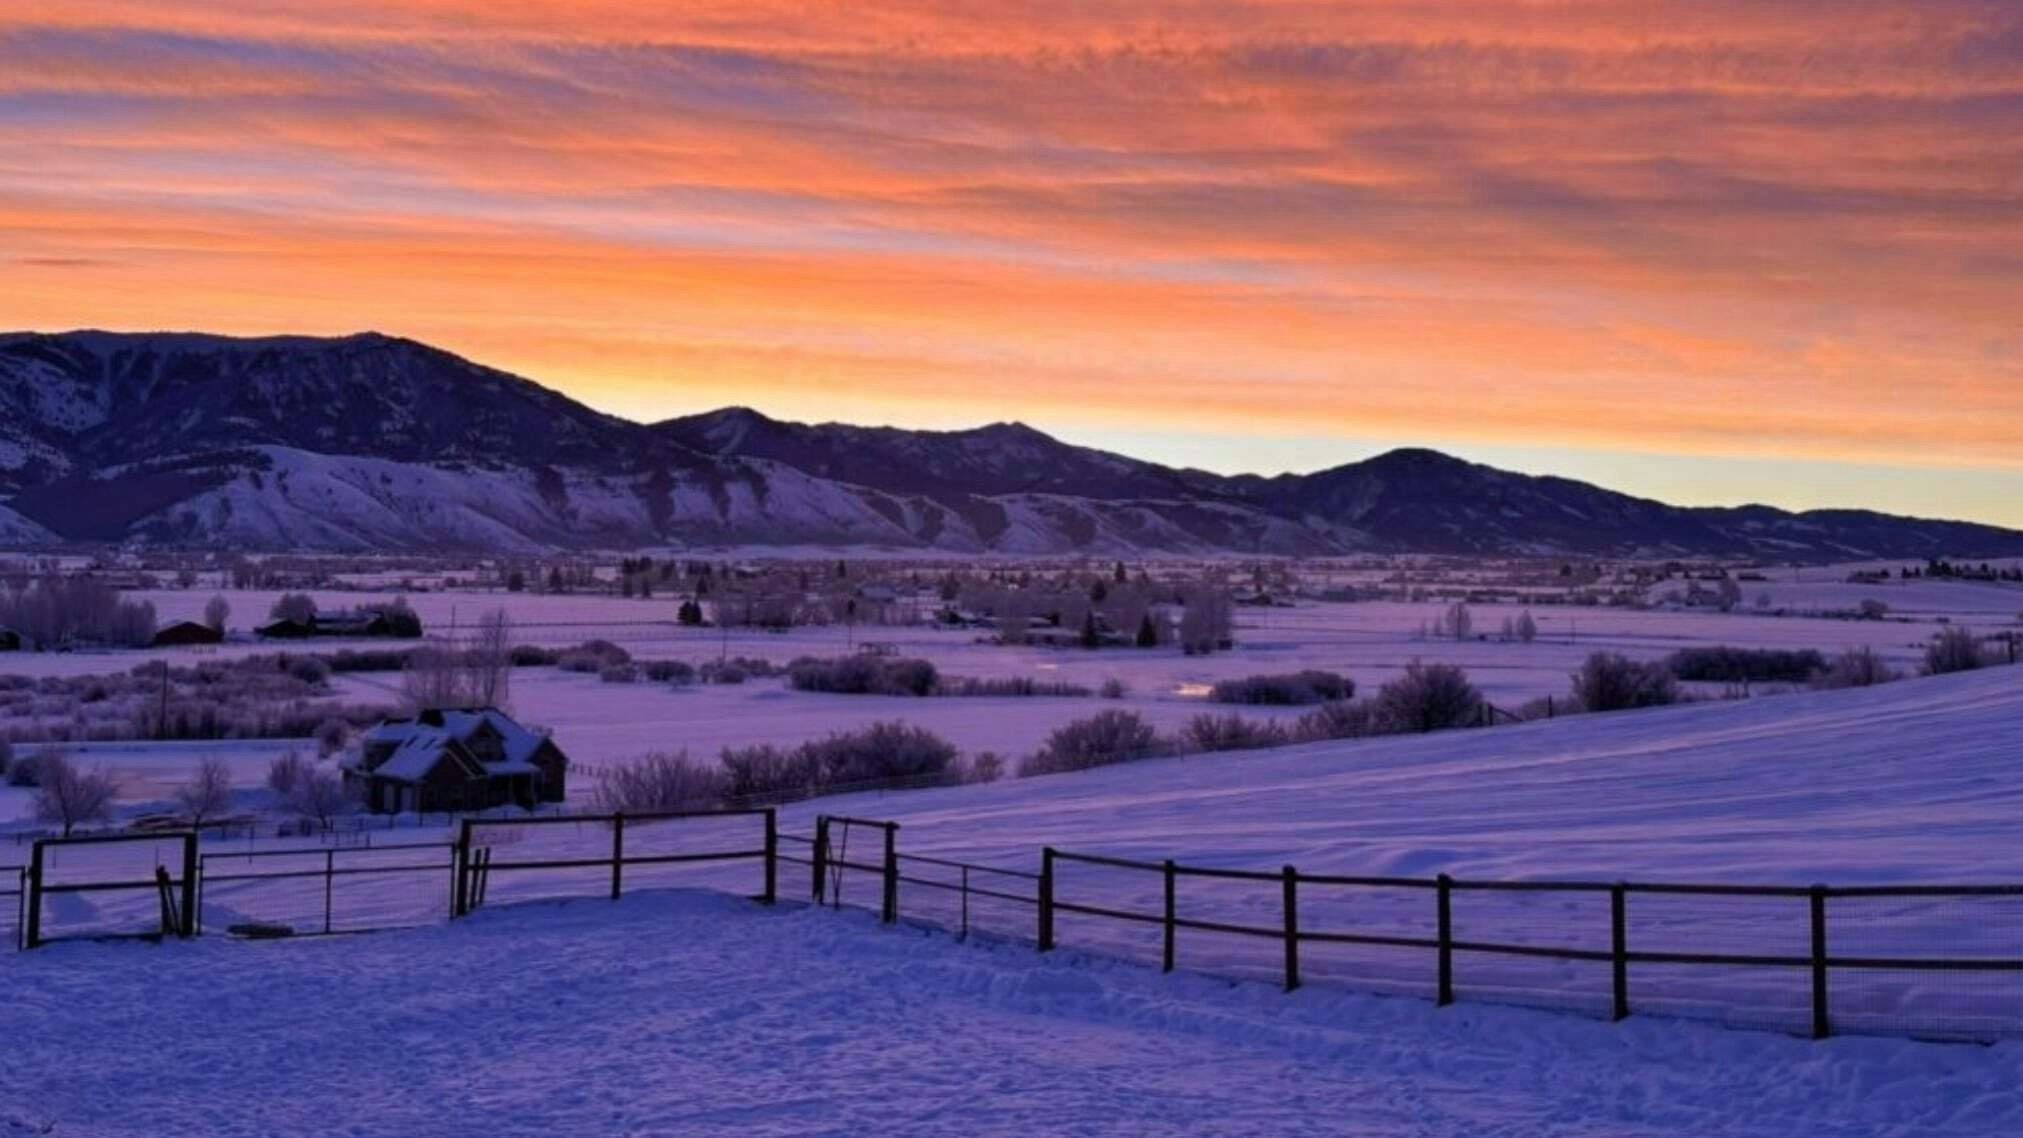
1954,650
1104,738
986,766
1729,665
618,674
331,735
863,675
593,656
533,656
882,752
723,674
287,773
1015,686
1857,667
769,771
1285,690
309,669
658,783
1339,720
677,672
1428,697
298,607
1231,732
1610,681
25,770
1114,688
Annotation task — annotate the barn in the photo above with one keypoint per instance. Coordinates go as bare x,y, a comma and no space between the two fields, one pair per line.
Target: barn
185,632
464,759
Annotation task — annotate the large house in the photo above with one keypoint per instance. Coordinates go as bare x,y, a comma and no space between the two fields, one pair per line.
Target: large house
456,760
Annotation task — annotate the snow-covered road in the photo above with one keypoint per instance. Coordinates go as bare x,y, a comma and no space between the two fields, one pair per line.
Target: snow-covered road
697,1014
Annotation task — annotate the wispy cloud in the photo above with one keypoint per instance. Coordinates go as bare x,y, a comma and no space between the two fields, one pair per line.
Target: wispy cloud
1712,227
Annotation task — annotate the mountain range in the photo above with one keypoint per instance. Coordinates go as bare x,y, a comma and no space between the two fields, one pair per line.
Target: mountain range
375,443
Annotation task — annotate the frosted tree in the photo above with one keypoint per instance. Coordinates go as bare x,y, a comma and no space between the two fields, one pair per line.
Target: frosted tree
217,611
70,797
207,794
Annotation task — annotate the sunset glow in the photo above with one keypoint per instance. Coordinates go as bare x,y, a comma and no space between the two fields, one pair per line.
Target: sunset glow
1655,246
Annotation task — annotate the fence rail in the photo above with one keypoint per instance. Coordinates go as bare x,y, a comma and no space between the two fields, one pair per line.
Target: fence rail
1833,955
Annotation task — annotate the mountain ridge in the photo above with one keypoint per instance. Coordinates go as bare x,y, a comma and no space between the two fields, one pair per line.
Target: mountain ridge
376,442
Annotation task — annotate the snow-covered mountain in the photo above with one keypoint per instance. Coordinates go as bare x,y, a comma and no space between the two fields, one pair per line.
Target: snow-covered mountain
371,442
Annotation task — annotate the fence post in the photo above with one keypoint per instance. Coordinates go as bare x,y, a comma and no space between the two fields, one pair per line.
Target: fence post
890,909
1171,928
1291,928
1445,892
821,857
1821,1027
1619,947
1046,898
329,877
460,892
772,855
617,854
34,924
187,928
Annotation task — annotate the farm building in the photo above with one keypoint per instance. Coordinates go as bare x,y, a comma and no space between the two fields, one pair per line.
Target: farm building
398,623
186,632
456,760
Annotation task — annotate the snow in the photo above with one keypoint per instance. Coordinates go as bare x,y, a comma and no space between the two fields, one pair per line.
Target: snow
695,1014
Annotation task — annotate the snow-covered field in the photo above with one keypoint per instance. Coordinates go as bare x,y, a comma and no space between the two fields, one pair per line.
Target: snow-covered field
687,1014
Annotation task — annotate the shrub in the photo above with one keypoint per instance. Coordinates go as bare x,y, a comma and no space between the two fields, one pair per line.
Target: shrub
985,766
863,675
657,783
723,674
765,771
309,669
676,672
1231,732
298,607
1101,739
1285,690
1019,686
1339,720
1114,688
286,773
1428,697
1858,667
1610,681
592,656
25,770
882,752
533,656
618,674
331,735
1955,649
1729,665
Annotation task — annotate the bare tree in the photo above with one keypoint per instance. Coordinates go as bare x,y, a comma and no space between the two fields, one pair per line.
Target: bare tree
284,774
70,797
1456,622
321,796
435,679
217,611
488,660
207,794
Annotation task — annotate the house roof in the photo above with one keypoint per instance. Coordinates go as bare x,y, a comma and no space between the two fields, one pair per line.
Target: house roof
421,742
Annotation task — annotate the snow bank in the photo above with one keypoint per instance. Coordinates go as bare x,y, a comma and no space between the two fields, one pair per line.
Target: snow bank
700,1015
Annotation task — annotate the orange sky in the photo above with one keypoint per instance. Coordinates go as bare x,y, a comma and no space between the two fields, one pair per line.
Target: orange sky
1641,242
